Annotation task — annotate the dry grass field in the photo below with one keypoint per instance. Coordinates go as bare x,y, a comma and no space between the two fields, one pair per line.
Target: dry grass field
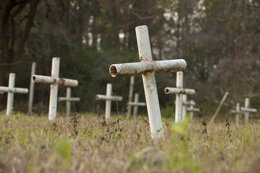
88,144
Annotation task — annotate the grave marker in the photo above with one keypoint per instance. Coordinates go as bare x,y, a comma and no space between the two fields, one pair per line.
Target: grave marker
238,112
190,107
147,67
68,99
11,90
136,104
108,98
179,91
54,81
247,110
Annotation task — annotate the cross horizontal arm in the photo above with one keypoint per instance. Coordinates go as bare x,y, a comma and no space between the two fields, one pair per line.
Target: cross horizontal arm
252,110
189,103
235,112
193,109
136,104
14,90
73,99
51,80
113,98
147,66
169,90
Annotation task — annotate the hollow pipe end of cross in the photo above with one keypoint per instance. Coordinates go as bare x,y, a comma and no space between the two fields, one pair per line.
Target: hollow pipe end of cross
167,90
113,70
33,78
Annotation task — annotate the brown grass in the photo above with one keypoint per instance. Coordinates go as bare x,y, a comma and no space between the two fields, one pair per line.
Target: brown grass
89,144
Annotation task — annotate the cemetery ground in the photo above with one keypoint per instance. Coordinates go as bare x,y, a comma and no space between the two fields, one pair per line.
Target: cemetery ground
86,143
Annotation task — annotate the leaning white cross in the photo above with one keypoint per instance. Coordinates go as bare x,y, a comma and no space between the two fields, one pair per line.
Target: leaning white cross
147,67
136,103
54,81
109,98
68,99
179,91
247,110
11,90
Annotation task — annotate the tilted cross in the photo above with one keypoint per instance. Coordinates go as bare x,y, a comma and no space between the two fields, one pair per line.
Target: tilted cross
11,90
108,98
147,68
54,81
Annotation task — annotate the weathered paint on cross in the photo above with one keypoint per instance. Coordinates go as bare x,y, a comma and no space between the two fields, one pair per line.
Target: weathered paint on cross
180,112
54,81
147,67
68,99
108,98
11,90
136,104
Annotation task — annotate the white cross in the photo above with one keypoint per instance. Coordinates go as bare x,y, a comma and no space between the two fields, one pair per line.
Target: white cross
147,67
246,110
179,91
109,98
54,81
136,103
11,90
189,107
238,112
68,100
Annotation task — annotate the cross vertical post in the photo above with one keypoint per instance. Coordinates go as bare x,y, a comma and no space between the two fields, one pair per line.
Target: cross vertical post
130,95
237,113
54,89
10,95
184,106
31,93
150,87
108,102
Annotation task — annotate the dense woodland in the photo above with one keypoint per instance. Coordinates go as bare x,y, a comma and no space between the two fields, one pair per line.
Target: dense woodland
219,39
